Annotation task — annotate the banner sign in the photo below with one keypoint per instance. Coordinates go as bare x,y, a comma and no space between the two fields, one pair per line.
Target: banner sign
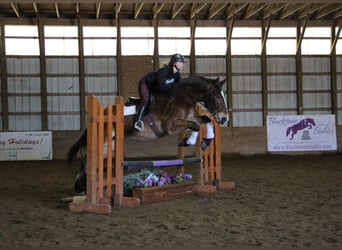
301,133
25,146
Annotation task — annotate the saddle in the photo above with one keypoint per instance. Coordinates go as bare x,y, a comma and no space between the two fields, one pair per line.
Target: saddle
133,101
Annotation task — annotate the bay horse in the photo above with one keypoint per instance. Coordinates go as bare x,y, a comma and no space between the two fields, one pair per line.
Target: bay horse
168,114
305,123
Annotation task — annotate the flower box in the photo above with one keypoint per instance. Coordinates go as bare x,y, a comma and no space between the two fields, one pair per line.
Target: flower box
150,195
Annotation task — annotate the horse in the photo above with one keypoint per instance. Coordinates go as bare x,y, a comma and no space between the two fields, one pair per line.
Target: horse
305,123
167,115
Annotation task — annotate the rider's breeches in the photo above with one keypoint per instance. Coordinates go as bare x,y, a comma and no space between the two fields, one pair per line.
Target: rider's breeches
144,92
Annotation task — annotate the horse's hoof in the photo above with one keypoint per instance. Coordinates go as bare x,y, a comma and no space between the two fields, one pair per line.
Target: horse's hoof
184,143
205,143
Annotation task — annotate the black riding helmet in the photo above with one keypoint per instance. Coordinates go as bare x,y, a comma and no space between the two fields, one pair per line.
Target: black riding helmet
176,58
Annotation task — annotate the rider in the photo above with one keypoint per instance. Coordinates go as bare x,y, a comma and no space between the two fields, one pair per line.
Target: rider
156,82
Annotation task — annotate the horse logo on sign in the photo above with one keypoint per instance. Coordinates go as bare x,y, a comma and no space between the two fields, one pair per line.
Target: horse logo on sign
305,123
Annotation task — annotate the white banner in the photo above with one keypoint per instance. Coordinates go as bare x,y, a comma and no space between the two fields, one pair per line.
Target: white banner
301,133
25,146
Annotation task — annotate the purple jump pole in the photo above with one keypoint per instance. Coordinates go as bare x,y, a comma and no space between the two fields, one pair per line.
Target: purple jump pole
136,165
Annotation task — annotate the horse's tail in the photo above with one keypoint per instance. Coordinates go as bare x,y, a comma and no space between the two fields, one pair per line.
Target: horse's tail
79,144
288,131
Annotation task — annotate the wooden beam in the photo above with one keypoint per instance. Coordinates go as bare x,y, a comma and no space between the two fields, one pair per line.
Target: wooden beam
4,79
300,39
175,10
253,9
299,70
333,71
193,24
229,74
117,8
333,46
196,8
15,9
264,82
157,8
326,11
229,34
235,8
43,78
57,10
273,10
265,35
81,73
98,9
35,7
77,8
214,10
292,10
155,22
137,9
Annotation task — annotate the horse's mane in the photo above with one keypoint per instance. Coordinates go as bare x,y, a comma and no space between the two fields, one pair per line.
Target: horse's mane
197,84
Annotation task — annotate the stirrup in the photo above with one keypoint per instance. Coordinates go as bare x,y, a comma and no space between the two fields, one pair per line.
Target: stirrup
139,125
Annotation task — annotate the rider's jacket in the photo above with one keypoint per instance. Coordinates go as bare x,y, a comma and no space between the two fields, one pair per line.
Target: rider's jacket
160,81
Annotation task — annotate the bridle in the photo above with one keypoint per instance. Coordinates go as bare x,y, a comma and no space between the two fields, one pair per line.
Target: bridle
214,106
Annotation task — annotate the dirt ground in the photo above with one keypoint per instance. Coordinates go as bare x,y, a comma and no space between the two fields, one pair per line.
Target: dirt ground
278,201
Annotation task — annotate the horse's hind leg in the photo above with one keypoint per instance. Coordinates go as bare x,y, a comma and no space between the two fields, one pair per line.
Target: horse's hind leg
81,178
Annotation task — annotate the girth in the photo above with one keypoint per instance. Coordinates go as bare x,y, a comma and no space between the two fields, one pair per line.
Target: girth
149,120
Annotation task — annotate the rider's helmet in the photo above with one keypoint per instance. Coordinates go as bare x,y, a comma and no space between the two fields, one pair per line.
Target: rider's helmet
176,58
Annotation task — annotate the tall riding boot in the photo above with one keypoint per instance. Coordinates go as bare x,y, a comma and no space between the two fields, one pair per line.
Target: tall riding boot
139,124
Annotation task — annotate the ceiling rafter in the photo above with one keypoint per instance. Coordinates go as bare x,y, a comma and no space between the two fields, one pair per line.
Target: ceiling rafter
338,14
57,10
157,7
196,8
292,9
15,9
215,9
98,9
325,10
273,10
309,10
137,9
175,10
253,9
204,10
235,8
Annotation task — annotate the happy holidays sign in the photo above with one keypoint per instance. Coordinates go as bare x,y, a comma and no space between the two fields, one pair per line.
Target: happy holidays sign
25,146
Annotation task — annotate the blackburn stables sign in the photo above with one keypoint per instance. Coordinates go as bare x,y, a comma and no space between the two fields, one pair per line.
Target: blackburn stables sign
25,146
301,133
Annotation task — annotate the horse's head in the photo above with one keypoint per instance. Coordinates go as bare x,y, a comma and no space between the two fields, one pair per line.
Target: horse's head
312,121
215,101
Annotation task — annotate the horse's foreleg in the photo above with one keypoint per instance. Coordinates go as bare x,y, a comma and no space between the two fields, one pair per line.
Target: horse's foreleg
292,134
180,125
